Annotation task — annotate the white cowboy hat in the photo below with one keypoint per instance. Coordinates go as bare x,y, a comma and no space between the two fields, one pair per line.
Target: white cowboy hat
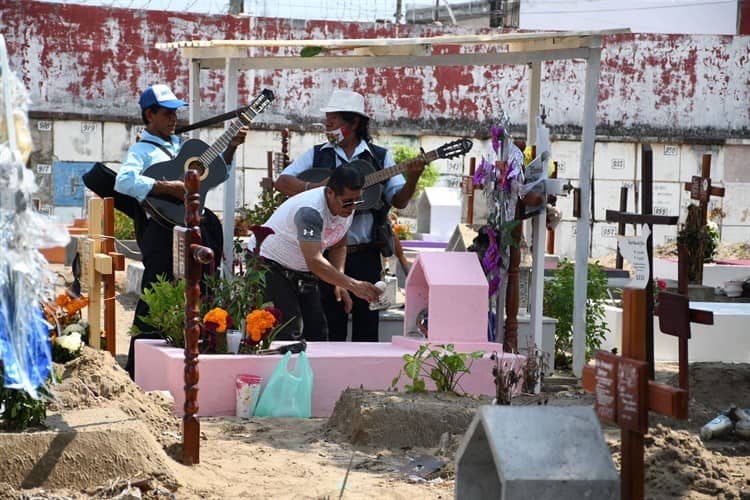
347,101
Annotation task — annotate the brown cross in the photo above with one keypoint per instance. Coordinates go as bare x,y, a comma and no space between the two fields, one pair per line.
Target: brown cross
700,187
624,394
675,317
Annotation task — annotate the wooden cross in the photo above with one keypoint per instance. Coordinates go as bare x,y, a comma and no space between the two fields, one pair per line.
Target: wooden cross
701,189
624,394
647,162
278,160
468,188
675,316
188,257
99,263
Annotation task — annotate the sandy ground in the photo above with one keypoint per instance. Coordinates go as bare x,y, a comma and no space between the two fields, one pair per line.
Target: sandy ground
290,458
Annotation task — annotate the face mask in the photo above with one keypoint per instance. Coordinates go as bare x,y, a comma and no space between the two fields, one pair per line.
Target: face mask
335,136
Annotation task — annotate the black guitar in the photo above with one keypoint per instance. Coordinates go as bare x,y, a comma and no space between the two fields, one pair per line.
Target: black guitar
197,155
373,189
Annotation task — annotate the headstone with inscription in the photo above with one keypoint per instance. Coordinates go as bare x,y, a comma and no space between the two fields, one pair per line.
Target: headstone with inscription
539,452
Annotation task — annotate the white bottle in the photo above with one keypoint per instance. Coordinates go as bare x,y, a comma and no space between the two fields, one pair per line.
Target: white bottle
374,306
717,427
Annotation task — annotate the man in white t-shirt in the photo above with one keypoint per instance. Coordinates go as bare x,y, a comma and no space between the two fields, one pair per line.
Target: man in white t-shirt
304,227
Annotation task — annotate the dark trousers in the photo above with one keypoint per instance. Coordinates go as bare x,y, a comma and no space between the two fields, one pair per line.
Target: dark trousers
155,242
297,295
364,265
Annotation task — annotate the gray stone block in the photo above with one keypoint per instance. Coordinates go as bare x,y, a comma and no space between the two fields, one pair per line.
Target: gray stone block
535,452
134,276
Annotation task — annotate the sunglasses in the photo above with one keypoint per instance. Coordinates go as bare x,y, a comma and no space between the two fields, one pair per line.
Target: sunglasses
352,203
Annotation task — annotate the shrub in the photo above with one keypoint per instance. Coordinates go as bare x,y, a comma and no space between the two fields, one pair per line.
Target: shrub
430,175
124,227
18,410
166,309
257,215
558,304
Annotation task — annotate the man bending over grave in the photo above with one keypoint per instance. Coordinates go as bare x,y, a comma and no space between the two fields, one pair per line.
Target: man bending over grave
305,226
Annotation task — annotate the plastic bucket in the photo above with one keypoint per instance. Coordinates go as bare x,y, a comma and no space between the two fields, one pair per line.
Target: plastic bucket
248,392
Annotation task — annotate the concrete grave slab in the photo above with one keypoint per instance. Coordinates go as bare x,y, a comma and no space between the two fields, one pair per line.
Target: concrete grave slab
539,452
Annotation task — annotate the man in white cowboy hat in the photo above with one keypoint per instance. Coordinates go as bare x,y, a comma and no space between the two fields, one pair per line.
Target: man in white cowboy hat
349,139
158,143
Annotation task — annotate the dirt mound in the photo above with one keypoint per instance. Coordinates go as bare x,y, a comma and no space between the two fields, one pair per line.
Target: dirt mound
679,465
95,379
82,449
398,420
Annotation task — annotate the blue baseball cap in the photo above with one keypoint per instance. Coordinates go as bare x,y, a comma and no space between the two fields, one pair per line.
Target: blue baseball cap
161,95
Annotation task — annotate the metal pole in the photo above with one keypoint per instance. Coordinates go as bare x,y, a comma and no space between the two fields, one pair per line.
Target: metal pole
227,263
539,229
583,230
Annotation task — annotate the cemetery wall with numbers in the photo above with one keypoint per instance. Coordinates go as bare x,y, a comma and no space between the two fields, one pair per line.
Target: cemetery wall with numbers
66,148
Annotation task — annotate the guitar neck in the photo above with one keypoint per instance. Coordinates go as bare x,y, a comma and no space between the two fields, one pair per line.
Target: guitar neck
244,117
221,143
400,168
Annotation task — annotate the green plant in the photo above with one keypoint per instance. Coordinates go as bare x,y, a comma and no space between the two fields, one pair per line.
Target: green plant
259,214
558,304
441,363
124,227
429,177
18,410
713,242
166,309
237,294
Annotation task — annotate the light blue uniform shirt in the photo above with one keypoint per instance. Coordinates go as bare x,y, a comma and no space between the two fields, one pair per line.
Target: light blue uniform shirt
140,156
361,230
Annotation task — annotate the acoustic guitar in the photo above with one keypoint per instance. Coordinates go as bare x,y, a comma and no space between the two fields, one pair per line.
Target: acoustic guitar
372,189
197,155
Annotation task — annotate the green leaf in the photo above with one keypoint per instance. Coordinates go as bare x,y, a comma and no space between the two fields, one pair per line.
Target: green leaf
310,51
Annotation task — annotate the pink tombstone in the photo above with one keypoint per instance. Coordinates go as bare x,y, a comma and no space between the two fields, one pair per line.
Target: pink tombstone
453,288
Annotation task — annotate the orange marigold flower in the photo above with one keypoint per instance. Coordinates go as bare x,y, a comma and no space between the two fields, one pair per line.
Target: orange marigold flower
258,323
217,316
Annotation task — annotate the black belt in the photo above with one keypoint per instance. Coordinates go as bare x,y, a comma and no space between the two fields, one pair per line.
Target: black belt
291,274
364,247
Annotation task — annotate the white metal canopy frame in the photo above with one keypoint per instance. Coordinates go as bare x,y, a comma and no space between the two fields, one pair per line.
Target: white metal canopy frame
474,50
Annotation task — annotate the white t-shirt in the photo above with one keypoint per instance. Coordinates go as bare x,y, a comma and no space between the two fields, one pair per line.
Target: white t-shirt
302,218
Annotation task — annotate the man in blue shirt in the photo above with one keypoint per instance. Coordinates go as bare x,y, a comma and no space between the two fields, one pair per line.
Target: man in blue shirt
349,139
158,143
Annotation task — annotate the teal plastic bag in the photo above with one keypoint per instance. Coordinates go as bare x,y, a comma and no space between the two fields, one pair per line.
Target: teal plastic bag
288,394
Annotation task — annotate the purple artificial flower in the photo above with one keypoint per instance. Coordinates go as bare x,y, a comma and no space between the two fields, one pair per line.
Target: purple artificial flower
494,285
497,132
481,172
491,258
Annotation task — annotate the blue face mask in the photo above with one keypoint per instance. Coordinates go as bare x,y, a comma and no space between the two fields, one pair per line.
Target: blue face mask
335,137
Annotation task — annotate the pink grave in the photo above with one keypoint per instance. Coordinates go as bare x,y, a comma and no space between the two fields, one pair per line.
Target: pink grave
453,287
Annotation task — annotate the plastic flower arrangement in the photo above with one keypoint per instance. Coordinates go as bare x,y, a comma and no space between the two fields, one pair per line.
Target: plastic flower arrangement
215,325
67,347
500,172
64,315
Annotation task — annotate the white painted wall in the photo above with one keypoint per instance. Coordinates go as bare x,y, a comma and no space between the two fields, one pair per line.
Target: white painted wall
717,17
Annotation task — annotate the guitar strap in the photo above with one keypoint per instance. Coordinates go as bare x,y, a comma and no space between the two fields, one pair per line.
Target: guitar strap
160,146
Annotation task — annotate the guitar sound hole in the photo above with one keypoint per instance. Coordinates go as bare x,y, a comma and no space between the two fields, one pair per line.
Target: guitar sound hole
197,166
